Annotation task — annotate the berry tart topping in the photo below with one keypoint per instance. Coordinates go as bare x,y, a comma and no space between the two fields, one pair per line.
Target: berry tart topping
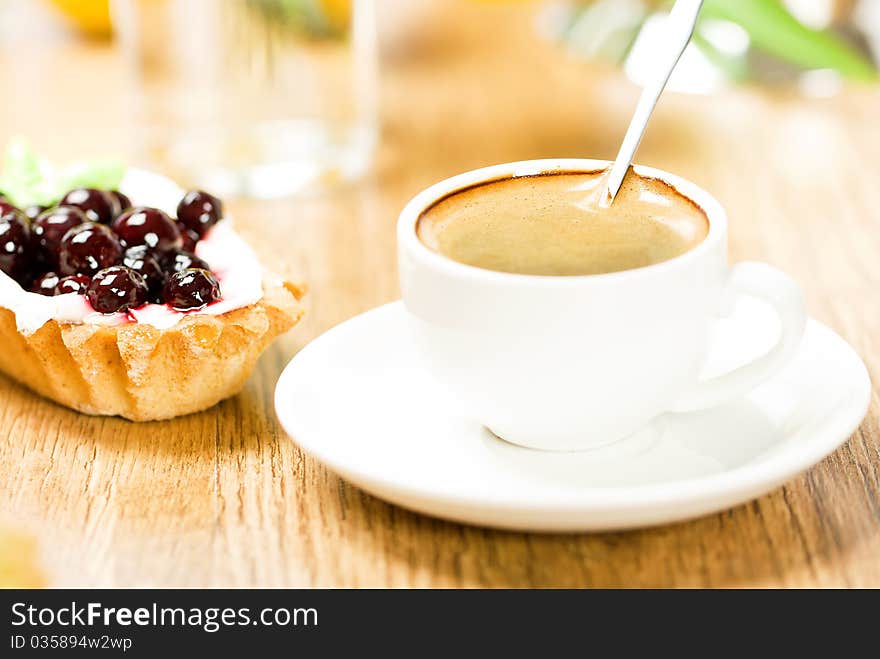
178,260
46,284
147,226
50,226
6,207
98,205
121,199
198,211
127,263
73,284
15,246
191,289
188,236
87,248
33,211
117,288
140,259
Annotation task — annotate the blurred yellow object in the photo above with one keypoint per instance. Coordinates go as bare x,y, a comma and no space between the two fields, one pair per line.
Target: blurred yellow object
18,561
337,13
90,16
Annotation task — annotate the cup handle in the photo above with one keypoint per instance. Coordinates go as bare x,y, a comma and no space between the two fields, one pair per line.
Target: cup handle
766,283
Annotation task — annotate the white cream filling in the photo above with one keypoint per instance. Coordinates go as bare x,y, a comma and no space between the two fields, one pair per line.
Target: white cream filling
231,259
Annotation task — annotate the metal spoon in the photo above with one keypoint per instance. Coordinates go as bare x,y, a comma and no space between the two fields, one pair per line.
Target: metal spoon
679,28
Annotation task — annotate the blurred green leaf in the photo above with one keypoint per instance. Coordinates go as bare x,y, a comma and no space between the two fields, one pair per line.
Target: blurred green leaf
734,67
593,30
24,179
28,179
102,174
308,16
773,29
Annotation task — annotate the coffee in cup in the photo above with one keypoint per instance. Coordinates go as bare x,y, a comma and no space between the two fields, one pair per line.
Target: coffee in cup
553,224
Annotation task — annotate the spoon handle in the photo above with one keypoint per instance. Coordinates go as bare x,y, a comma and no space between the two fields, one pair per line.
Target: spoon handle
679,28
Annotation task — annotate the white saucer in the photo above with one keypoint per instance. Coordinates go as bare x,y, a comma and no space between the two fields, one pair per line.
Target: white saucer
358,400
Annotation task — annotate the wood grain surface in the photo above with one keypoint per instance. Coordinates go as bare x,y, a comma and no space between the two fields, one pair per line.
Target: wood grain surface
223,498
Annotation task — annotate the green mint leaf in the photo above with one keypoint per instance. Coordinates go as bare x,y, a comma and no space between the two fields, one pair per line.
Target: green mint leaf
28,179
25,176
773,29
103,174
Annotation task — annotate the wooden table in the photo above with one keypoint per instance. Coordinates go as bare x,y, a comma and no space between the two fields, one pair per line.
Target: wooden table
224,498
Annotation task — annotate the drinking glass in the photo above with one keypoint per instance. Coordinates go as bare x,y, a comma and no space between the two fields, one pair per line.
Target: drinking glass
263,98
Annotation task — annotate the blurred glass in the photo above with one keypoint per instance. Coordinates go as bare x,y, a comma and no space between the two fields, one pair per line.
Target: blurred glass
262,98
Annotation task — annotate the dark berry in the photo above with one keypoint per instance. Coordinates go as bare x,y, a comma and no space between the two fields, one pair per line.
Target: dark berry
33,211
98,205
177,260
117,289
188,236
140,259
147,226
199,211
73,284
192,288
45,284
6,207
50,226
122,200
87,248
16,246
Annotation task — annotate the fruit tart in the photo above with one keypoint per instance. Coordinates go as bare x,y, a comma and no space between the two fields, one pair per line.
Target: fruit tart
121,294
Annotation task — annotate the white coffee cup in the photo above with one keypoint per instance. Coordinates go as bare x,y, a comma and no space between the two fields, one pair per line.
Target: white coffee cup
572,362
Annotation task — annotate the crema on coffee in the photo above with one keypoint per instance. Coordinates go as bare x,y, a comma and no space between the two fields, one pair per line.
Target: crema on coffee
553,224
